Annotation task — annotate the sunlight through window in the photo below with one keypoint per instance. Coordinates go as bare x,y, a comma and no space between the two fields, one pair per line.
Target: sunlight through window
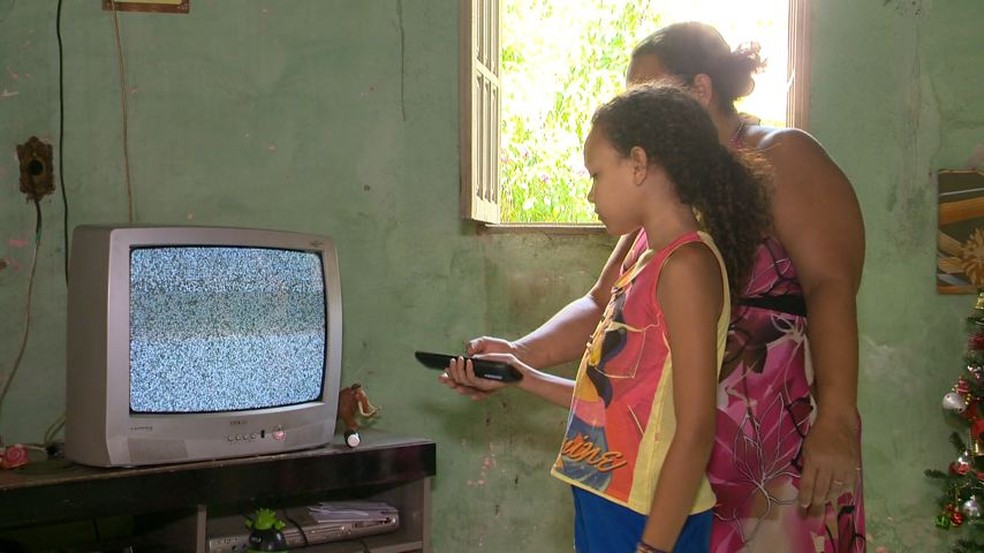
560,61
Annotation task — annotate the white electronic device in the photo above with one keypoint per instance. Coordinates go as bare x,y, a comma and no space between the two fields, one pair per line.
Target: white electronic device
328,521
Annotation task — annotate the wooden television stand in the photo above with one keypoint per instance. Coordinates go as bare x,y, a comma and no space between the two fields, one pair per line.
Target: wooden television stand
48,505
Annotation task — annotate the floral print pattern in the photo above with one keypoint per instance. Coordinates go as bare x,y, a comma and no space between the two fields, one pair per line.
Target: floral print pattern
765,409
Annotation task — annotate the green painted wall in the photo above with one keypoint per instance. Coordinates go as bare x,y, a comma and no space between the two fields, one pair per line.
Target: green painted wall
340,117
896,96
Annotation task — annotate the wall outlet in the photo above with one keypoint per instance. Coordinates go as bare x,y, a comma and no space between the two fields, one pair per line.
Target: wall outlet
37,175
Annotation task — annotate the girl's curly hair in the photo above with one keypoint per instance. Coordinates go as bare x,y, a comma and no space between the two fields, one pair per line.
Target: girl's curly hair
728,190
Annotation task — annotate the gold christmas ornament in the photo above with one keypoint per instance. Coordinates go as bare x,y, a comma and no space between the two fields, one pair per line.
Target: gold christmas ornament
978,448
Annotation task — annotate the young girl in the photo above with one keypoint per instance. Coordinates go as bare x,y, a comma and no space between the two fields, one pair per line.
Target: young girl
642,407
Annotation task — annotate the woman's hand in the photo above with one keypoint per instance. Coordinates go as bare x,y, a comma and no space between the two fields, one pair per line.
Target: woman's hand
489,344
831,460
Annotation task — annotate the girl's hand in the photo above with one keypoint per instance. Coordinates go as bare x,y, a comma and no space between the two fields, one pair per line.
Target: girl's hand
478,347
460,375
463,389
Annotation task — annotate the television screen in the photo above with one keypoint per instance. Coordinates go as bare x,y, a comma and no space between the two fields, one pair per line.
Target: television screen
246,324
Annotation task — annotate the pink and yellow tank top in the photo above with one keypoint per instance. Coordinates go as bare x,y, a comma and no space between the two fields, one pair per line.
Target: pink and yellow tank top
622,420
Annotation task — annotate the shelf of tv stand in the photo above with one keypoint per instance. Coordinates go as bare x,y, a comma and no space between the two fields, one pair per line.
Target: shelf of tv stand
173,504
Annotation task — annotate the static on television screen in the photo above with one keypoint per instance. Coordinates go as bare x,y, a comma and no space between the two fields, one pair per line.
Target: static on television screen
225,328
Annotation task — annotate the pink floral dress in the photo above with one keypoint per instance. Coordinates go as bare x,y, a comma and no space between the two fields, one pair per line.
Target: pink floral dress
765,410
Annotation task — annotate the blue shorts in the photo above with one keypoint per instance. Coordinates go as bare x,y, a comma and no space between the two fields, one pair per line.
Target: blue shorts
601,526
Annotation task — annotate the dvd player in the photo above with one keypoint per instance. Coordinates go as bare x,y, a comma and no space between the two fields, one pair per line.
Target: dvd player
325,522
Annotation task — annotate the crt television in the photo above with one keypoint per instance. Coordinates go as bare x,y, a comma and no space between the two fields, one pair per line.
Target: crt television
189,343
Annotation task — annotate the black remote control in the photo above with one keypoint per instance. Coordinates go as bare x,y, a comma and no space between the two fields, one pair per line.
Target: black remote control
491,370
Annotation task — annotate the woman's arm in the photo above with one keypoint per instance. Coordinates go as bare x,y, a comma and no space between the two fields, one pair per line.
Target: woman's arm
690,293
562,337
818,221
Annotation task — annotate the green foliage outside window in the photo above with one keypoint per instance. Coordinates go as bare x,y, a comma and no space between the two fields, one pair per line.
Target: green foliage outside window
559,63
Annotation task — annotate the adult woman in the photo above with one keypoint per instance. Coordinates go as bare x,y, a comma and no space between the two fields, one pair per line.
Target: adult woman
786,466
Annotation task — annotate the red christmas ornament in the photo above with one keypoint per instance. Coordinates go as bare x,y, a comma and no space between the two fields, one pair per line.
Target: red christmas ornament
977,428
959,468
971,412
962,387
957,519
977,341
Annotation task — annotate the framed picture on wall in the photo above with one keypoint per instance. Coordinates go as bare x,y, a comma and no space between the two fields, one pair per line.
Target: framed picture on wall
960,239
161,6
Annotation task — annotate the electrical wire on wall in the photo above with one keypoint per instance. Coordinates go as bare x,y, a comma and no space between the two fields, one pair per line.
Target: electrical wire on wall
58,424
49,440
55,427
36,181
123,93
27,308
61,133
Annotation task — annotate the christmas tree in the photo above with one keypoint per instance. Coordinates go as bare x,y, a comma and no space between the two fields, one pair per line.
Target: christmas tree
962,498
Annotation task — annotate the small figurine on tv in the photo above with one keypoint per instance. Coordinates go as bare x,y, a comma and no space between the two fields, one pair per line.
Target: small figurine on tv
353,401
265,535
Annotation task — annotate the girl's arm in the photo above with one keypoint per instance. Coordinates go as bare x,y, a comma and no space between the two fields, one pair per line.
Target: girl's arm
818,221
690,293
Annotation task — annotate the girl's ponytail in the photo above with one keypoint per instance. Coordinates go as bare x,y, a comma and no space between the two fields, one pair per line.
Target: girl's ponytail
734,208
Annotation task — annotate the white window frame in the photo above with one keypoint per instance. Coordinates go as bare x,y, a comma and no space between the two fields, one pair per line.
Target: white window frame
480,108
480,101
798,66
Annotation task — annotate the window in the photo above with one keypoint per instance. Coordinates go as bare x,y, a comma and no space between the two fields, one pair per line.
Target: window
479,98
525,110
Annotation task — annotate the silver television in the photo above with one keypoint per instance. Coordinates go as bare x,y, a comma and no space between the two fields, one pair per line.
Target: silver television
190,343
